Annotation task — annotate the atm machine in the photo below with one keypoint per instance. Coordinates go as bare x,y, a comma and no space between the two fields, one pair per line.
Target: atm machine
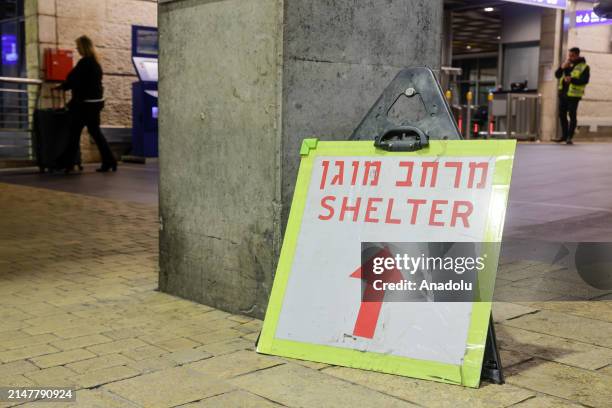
144,92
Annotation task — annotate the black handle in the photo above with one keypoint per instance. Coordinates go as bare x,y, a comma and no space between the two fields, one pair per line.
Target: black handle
60,94
386,142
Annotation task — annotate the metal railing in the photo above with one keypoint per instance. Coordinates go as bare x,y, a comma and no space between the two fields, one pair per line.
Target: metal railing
516,115
509,115
523,116
18,99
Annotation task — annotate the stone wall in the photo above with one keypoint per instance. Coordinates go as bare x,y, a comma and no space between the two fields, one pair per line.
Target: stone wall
57,23
596,45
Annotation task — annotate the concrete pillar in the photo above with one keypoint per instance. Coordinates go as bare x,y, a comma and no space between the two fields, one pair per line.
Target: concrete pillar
446,44
550,54
241,84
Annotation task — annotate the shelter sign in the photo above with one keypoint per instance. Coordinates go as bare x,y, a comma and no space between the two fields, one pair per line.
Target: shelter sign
389,258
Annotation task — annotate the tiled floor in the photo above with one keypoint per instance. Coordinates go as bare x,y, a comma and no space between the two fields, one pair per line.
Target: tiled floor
132,182
561,192
78,307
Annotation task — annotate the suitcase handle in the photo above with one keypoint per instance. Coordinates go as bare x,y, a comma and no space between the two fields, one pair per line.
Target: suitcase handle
61,98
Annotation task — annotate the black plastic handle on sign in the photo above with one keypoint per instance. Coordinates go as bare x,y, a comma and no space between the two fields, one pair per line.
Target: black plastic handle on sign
402,139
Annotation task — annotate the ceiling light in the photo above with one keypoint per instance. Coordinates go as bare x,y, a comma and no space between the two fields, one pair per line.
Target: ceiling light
489,9
469,47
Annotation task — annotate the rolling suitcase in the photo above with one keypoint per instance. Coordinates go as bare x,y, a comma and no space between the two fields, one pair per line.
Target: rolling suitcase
51,137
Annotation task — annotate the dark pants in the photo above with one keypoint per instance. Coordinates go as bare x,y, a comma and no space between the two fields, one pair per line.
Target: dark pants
568,106
88,114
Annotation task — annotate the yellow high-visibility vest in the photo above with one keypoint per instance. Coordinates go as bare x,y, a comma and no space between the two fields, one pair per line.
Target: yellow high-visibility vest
576,91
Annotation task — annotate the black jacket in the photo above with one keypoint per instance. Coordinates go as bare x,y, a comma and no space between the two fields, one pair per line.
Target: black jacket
583,80
85,81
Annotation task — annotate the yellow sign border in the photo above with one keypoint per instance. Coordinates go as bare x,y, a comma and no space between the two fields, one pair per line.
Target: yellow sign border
467,374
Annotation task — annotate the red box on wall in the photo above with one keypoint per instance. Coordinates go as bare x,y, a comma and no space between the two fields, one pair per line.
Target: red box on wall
57,64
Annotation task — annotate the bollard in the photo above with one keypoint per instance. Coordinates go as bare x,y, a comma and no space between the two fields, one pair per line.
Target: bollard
458,119
491,123
468,120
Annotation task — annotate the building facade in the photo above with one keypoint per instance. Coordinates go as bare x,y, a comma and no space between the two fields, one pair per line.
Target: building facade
57,23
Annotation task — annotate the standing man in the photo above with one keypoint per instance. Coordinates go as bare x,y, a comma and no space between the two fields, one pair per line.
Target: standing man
573,75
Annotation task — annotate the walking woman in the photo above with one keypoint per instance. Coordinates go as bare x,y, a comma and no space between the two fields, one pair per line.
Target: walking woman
85,82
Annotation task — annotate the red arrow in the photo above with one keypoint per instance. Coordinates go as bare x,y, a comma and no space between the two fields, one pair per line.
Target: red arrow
372,299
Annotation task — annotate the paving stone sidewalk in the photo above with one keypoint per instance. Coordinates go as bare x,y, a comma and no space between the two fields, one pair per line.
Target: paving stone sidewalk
79,307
